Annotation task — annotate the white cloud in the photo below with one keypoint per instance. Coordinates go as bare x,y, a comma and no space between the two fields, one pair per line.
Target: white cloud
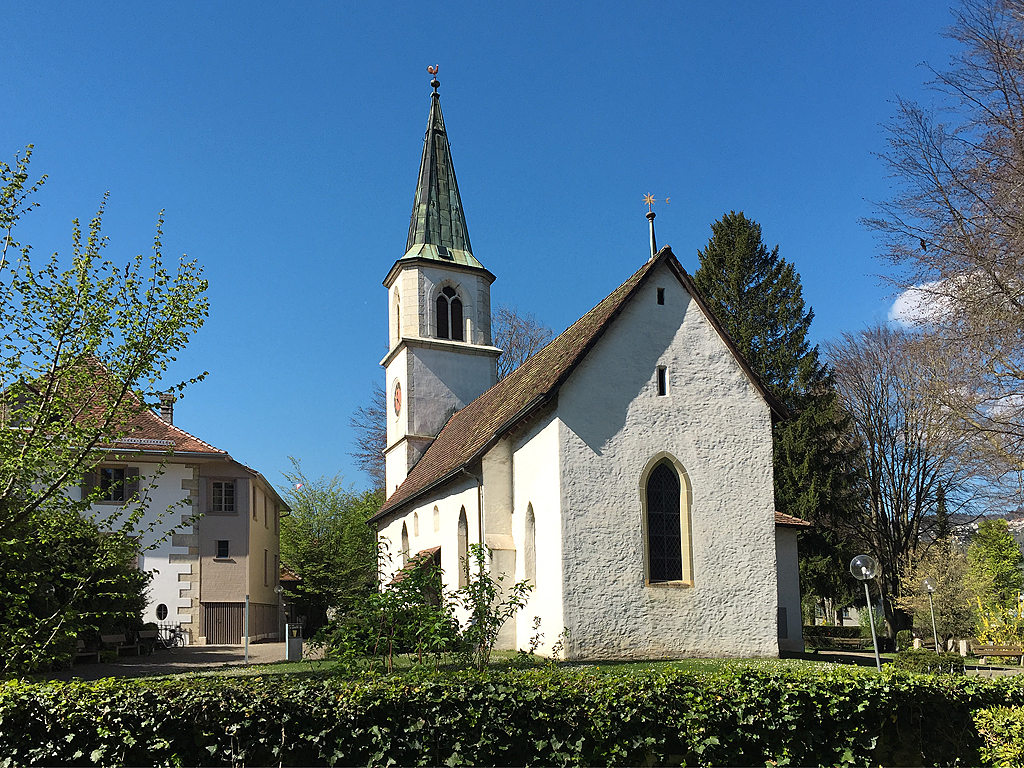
919,305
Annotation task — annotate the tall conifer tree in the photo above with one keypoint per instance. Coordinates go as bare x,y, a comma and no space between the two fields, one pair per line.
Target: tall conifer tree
757,296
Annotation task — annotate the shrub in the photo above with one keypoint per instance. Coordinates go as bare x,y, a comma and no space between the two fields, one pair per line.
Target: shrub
905,640
546,716
1002,729
924,661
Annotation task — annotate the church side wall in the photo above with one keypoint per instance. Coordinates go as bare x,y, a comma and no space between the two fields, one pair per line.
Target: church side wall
535,472
419,522
715,426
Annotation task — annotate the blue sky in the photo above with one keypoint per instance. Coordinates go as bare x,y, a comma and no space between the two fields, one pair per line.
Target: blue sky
283,140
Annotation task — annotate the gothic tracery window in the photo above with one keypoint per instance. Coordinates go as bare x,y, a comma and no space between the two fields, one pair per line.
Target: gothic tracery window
664,535
449,315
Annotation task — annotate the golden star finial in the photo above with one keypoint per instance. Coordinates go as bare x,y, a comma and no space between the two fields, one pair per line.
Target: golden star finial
650,200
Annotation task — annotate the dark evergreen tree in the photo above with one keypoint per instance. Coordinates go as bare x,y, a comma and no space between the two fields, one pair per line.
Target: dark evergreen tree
942,530
757,296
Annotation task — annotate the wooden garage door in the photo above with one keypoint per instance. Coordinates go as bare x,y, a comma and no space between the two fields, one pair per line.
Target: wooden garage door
224,623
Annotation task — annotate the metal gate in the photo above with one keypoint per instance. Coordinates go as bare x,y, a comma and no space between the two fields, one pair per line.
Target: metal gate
224,623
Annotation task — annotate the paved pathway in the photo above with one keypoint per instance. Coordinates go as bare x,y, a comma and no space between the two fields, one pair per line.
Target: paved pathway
192,658
867,659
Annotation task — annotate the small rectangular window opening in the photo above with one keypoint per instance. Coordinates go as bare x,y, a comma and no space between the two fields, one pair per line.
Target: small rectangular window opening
661,295
222,549
662,381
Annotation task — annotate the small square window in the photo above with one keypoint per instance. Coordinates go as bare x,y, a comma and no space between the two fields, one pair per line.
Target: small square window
661,295
662,381
222,549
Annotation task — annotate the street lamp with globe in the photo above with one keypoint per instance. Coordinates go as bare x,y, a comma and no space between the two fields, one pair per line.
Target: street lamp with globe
931,585
865,568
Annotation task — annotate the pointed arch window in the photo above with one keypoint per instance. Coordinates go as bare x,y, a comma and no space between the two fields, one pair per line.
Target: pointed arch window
449,315
667,525
405,545
530,553
463,548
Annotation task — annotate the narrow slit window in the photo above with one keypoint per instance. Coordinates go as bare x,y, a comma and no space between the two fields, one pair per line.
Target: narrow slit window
661,295
222,549
662,381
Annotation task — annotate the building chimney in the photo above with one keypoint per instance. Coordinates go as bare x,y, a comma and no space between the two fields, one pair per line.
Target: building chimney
167,407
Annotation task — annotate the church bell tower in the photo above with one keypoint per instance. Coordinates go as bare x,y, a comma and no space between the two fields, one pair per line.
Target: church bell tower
440,356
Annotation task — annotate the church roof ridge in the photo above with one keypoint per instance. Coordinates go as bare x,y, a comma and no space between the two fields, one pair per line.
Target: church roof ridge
438,220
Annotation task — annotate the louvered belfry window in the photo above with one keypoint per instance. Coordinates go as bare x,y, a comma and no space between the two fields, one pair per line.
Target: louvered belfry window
664,539
449,315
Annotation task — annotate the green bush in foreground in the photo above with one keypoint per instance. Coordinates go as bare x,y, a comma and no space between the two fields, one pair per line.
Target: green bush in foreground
1002,728
531,717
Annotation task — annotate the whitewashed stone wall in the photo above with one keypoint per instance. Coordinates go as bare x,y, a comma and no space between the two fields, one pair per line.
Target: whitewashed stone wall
715,424
536,476
449,502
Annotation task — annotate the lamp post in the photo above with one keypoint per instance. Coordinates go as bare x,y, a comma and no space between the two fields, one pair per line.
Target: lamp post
280,610
864,568
930,585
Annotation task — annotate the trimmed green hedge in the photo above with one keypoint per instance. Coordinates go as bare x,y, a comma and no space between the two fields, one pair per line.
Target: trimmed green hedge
927,662
533,717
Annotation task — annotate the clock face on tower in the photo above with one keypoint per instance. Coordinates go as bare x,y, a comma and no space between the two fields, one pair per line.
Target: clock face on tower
398,398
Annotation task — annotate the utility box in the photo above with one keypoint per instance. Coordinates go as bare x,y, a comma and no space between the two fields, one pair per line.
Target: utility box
293,642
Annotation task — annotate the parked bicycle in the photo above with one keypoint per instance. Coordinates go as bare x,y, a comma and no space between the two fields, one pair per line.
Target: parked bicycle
171,638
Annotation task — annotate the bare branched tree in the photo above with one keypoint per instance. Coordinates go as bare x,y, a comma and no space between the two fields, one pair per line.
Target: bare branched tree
956,225
370,424
910,447
518,336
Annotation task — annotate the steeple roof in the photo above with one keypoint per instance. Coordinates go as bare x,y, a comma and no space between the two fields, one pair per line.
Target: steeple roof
437,229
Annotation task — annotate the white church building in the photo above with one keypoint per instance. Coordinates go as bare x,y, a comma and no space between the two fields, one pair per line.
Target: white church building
625,470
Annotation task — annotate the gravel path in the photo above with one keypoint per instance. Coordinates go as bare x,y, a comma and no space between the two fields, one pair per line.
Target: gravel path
192,658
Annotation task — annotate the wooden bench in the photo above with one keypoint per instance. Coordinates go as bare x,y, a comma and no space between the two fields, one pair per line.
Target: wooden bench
853,643
984,651
82,653
121,643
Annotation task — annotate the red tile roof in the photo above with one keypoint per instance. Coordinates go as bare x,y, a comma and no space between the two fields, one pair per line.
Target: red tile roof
473,430
148,432
790,521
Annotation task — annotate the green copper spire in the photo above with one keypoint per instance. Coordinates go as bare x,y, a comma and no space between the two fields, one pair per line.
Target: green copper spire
437,216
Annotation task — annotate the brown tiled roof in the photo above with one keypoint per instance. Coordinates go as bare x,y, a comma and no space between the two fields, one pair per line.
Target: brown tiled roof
148,432
789,520
472,431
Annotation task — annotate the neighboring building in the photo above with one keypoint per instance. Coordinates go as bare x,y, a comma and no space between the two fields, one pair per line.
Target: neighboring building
201,573
625,470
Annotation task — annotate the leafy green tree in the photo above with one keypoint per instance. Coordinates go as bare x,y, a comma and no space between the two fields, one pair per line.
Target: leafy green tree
947,567
84,343
758,298
995,561
326,541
